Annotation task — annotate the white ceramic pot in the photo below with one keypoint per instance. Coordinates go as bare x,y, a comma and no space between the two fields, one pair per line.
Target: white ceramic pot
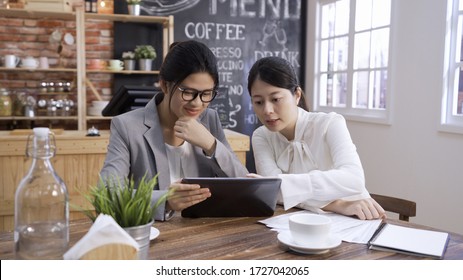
29,62
145,64
129,64
134,10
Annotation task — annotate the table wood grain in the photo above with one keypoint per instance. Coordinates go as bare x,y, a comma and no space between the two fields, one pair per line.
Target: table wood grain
237,239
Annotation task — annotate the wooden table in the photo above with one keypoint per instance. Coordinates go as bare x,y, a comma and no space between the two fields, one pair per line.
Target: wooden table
235,238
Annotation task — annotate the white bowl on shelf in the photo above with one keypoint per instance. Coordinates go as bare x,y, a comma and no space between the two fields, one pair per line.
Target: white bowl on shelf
93,111
99,103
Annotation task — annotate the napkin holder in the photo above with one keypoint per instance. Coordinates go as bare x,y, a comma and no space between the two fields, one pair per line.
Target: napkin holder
105,240
112,251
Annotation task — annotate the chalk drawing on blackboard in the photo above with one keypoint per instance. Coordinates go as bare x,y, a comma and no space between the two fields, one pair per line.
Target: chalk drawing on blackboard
233,114
272,28
166,7
222,106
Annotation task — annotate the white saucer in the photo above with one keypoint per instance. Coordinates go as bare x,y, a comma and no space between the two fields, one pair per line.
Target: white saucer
94,68
154,233
27,67
115,69
286,239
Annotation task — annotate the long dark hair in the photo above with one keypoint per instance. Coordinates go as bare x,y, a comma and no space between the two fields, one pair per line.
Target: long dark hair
277,72
186,58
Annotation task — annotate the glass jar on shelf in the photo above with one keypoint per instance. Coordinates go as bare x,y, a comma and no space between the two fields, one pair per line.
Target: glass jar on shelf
59,86
6,105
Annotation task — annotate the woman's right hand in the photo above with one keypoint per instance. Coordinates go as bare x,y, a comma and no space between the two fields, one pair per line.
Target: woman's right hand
186,195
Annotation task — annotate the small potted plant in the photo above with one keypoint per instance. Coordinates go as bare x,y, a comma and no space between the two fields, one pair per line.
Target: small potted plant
145,55
129,206
129,60
134,7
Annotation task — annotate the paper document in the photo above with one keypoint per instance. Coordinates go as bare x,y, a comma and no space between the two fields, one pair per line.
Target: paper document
410,241
347,228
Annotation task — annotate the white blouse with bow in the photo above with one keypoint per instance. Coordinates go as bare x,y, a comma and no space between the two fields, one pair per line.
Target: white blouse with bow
319,166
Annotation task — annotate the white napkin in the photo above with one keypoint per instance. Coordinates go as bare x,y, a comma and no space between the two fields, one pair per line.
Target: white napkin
104,231
348,229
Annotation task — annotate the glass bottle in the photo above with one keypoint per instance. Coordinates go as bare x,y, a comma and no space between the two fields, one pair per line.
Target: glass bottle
88,6
94,6
41,204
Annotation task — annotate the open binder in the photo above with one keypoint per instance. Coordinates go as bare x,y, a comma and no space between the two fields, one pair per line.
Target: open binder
411,241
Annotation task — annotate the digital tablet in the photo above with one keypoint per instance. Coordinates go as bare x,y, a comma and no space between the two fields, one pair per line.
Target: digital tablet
235,197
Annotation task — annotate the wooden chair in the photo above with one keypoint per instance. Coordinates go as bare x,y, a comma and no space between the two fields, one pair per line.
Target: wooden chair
405,208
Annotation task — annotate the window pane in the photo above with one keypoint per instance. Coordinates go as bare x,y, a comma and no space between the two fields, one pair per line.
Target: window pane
340,53
360,89
381,13
339,89
379,86
379,47
461,5
326,92
458,97
363,15
342,17
362,50
324,53
459,37
460,103
328,13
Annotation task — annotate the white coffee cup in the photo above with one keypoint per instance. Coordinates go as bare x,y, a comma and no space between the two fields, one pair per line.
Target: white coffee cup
310,230
11,61
116,64
43,62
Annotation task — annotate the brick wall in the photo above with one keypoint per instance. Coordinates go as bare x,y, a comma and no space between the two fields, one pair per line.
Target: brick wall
27,37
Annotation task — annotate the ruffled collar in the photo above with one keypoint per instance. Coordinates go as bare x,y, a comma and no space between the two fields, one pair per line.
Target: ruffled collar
297,157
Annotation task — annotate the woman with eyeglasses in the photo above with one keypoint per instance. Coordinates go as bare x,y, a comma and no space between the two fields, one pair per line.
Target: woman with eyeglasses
311,152
175,135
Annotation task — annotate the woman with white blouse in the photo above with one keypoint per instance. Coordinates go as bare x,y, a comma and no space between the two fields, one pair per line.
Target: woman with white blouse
312,153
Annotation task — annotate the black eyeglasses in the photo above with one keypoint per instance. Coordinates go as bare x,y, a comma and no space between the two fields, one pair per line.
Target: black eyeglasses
206,96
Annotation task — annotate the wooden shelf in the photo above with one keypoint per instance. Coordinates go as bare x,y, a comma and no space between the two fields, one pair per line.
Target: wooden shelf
19,69
81,81
43,15
126,72
36,118
128,18
31,14
55,93
98,118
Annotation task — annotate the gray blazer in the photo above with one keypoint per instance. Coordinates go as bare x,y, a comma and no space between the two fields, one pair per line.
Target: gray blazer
136,146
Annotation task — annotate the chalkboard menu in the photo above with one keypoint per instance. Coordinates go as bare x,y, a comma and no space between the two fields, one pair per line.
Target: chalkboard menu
239,32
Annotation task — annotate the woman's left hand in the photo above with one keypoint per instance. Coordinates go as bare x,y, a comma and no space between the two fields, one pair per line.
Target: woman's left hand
253,175
364,209
192,131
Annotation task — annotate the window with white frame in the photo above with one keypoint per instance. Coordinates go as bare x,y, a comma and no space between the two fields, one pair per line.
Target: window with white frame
353,58
452,109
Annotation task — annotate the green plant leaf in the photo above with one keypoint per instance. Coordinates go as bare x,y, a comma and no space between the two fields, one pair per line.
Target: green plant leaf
128,204
145,52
